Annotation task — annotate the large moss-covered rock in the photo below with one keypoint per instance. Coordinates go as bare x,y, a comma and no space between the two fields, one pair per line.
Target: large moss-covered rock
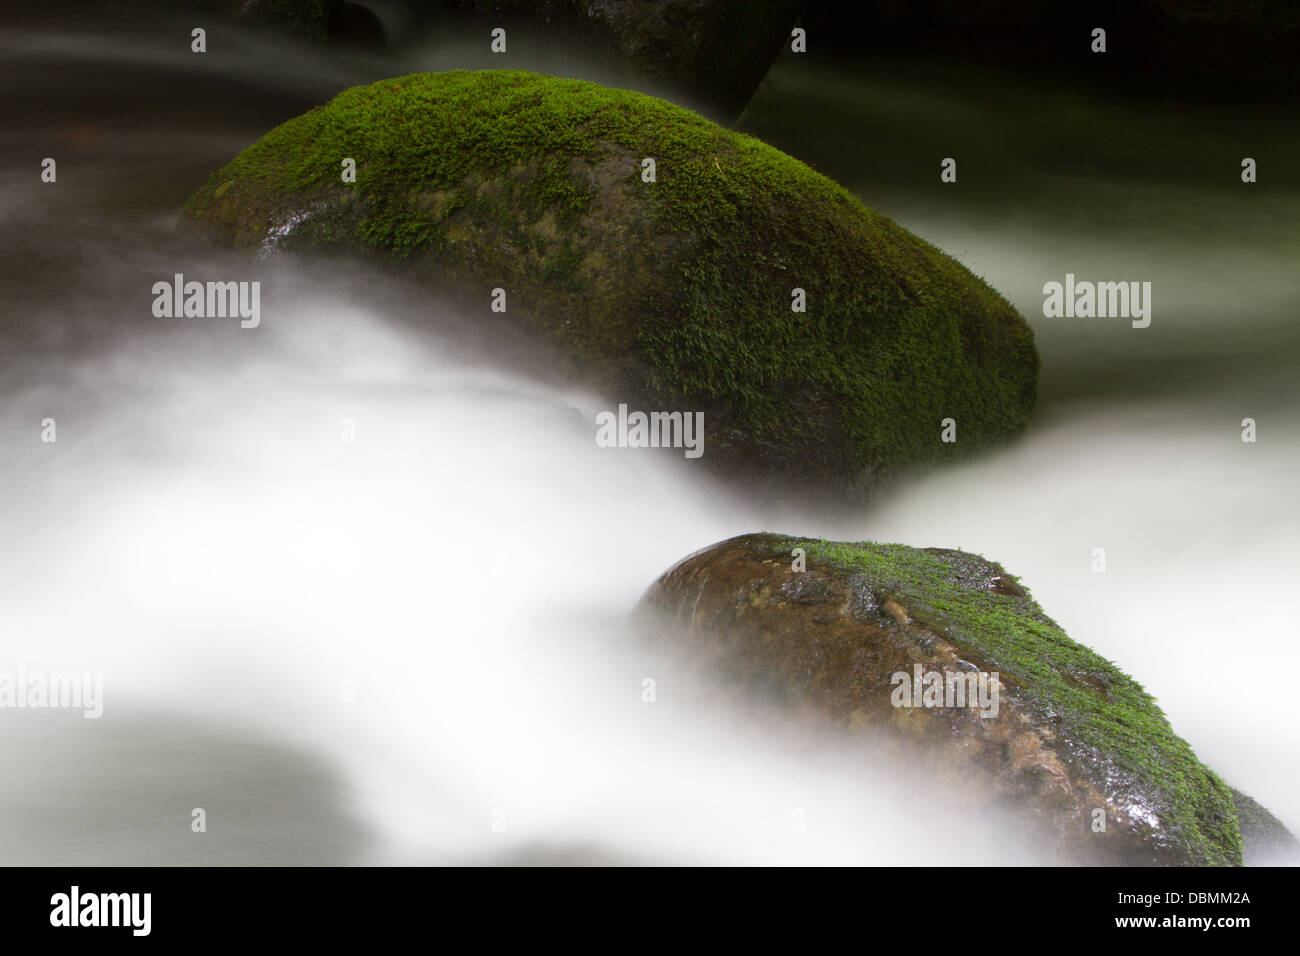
1071,733
674,294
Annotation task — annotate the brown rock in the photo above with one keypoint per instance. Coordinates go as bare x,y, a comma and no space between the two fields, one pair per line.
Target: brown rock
1049,733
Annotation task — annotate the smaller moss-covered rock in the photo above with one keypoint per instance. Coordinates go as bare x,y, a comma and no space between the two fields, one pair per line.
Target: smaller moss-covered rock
1070,732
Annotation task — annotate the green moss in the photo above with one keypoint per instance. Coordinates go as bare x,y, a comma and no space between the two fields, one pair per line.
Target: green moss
535,182
979,607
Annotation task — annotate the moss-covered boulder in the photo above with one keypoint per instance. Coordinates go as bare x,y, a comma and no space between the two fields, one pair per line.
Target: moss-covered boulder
671,294
1067,733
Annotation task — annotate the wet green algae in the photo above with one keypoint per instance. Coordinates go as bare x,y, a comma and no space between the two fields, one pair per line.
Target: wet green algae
1122,736
676,292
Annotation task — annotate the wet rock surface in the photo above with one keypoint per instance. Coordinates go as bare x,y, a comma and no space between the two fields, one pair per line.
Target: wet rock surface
1067,741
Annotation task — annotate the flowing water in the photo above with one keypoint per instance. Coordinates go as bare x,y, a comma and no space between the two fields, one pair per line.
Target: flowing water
413,646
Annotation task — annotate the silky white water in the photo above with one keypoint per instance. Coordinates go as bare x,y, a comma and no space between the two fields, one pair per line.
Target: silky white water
358,580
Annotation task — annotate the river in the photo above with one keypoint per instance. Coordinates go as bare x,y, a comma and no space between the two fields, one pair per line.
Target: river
358,581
